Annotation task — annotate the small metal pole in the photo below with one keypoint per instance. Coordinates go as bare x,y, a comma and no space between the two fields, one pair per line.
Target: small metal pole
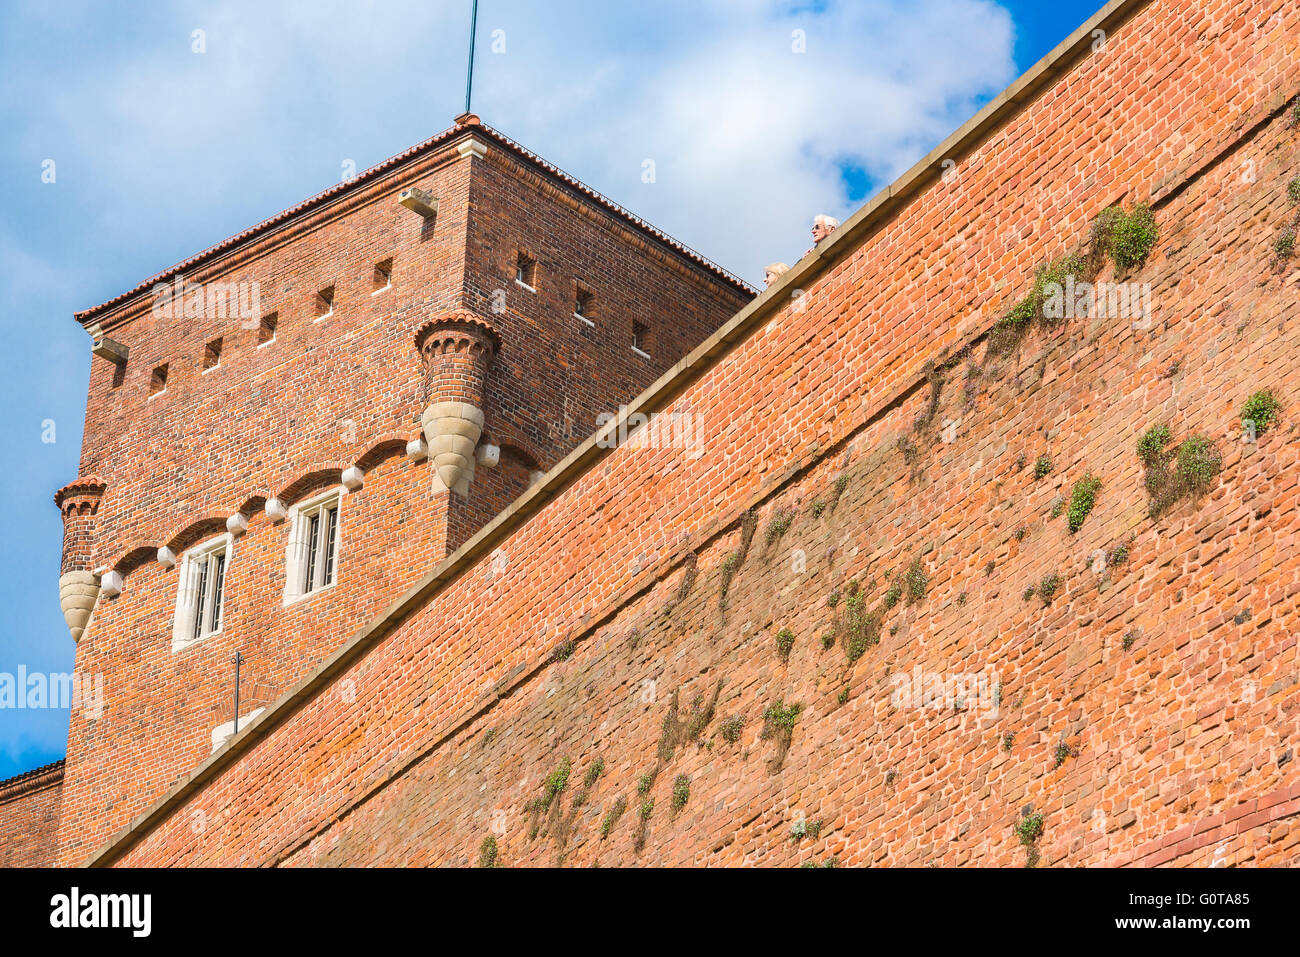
238,660
469,79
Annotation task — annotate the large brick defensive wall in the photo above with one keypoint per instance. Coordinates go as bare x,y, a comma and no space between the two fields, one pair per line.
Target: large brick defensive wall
910,594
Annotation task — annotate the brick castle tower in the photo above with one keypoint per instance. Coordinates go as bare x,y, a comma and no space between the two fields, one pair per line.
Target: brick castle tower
284,431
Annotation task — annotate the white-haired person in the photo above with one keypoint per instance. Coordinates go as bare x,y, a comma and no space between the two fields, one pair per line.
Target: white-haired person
822,227
774,272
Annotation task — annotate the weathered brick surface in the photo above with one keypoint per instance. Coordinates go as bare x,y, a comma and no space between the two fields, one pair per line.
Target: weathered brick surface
29,817
285,419
1151,704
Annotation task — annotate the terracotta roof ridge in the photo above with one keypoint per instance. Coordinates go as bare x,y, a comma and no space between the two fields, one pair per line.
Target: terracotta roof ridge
25,777
373,172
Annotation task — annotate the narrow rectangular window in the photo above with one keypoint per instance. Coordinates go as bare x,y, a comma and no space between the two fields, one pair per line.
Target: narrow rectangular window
584,302
212,355
313,547
201,593
218,584
641,338
201,599
325,302
158,381
332,523
312,555
266,330
383,275
525,270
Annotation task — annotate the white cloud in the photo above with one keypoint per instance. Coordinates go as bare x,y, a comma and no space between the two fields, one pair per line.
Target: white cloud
749,137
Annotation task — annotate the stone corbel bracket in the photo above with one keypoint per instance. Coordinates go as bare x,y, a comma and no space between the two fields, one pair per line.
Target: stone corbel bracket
456,349
79,585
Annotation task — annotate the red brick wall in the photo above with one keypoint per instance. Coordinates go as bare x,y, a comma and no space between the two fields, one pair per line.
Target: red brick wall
1151,704
284,419
29,817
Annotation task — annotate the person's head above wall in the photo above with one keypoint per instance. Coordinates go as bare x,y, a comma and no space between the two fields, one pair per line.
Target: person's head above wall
774,272
823,226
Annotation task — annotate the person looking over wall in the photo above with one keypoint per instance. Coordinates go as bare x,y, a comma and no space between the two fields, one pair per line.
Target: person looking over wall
822,227
774,272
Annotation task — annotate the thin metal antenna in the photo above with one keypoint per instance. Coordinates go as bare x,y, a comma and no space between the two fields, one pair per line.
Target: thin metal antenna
469,78
238,660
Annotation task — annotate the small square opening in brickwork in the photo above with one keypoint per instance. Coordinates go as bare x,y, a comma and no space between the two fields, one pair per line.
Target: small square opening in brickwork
325,302
641,338
526,270
266,328
212,354
584,304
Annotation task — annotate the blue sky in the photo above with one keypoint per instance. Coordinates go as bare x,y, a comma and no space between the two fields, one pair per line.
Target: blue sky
160,149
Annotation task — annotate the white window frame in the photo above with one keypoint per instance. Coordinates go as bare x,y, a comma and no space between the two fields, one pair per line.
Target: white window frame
191,577
298,556
532,265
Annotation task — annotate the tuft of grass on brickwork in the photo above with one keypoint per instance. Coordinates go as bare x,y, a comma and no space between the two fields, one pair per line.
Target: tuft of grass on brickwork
803,828
916,581
1293,191
859,628
1128,238
612,816
732,728
647,808
1050,282
1082,499
1043,303
730,565
778,726
1260,411
1061,754
784,643
841,483
1284,246
645,783
779,524
681,792
1030,828
843,697
1130,638
1198,462
1008,740
1048,587
557,780
593,772
1043,467
487,853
